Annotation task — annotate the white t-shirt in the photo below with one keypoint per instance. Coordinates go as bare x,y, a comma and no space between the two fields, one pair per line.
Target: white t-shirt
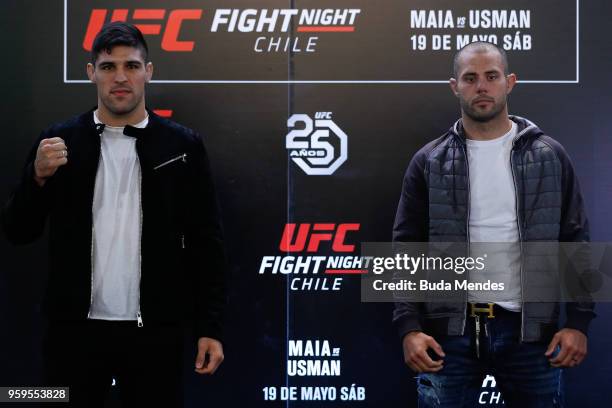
116,227
493,213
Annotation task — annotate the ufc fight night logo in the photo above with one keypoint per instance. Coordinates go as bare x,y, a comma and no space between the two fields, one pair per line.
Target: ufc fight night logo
186,38
167,24
316,256
319,146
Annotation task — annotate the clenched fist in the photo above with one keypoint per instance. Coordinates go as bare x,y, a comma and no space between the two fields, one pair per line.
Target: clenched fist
51,154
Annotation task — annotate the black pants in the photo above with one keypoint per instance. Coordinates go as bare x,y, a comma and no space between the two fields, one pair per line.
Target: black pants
146,362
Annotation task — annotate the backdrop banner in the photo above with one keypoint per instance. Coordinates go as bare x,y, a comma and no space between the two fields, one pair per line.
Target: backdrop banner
310,111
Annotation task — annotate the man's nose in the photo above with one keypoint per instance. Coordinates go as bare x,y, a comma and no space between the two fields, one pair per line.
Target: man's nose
482,85
120,75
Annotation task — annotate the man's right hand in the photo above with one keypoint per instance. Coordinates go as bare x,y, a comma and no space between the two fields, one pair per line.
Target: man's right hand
51,154
415,346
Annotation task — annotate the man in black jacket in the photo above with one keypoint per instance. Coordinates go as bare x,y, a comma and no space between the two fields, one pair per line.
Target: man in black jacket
135,245
491,178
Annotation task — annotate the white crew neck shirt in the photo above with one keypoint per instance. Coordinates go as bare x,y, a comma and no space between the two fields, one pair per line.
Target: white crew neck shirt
116,227
493,215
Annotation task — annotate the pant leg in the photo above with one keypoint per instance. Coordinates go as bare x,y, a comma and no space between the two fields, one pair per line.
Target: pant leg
151,368
74,356
458,383
523,372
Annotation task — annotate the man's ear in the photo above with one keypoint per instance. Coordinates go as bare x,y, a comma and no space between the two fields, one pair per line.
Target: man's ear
453,85
90,72
511,79
149,71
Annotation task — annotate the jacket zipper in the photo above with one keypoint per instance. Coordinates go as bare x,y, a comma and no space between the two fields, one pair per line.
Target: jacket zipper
182,157
139,313
467,222
518,224
91,289
91,255
520,232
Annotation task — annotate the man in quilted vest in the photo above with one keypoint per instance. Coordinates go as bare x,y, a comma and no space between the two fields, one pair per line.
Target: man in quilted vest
485,181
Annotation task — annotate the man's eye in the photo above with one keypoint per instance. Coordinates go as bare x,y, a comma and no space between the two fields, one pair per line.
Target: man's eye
105,67
492,77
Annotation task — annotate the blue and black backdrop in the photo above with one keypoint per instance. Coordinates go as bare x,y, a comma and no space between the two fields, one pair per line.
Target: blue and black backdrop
311,111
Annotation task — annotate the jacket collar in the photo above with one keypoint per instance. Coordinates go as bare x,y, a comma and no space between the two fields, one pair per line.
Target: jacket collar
525,129
86,119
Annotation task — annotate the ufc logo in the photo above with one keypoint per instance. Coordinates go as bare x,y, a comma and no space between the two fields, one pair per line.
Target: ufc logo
320,232
170,41
323,115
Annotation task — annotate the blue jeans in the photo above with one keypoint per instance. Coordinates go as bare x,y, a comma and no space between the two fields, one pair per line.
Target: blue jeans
522,372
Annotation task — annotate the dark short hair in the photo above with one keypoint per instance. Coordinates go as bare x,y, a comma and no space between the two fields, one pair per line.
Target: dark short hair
118,33
481,46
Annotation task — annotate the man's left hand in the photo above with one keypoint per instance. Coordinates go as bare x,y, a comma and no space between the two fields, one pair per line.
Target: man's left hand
210,355
573,345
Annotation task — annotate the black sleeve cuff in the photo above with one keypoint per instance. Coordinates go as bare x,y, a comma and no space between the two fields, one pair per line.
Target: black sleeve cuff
407,324
579,321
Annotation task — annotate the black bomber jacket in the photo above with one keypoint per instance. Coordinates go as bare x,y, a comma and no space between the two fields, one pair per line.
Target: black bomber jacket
183,265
